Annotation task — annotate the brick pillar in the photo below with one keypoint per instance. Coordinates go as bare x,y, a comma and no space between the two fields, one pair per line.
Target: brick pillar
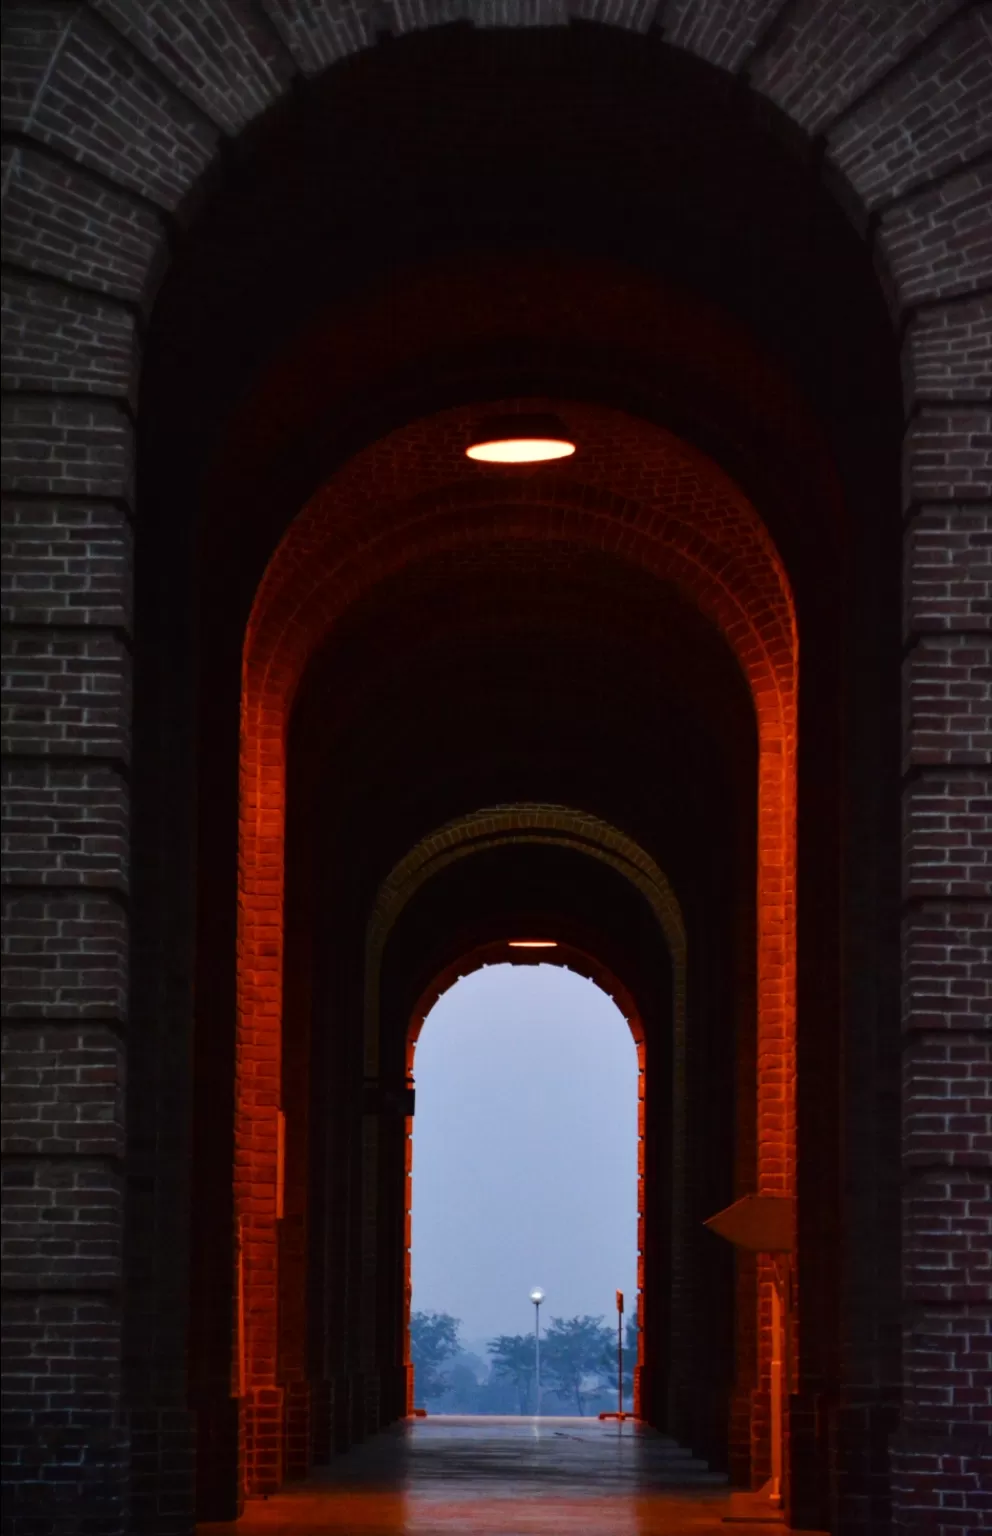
259,1085
103,1438
776,1022
295,1227
638,1403
409,1382
942,1453
394,1268
745,1178
65,979
321,1422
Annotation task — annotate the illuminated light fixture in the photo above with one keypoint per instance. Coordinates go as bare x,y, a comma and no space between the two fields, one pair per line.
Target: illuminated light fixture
533,943
520,440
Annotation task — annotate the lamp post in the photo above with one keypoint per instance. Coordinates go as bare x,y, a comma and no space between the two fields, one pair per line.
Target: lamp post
537,1296
620,1415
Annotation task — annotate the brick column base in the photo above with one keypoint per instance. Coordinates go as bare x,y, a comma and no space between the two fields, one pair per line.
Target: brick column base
394,1384
356,1407
219,1471
941,1485
808,1471
760,1420
861,1429
297,1451
163,1471
321,1422
372,1403
343,1417
264,1435
739,1439
52,1472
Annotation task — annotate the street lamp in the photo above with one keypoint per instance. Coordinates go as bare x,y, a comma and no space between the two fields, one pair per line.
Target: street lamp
537,1296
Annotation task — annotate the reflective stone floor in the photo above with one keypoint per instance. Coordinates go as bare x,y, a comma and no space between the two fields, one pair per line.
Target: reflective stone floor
502,1477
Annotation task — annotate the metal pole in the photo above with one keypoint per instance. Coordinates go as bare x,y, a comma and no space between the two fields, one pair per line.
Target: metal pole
537,1359
620,1354
619,1415
619,1362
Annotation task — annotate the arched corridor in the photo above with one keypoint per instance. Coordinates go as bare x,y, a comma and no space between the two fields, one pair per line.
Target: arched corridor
312,712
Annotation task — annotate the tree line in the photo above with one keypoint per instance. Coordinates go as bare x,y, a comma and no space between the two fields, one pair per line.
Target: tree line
578,1367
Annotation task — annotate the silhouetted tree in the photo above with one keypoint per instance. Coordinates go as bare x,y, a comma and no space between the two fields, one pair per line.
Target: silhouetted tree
433,1339
462,1395
513,1361
573,1349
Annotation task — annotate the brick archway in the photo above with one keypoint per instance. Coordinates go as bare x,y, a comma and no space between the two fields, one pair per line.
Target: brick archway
495,826
504,824
634,490
569,957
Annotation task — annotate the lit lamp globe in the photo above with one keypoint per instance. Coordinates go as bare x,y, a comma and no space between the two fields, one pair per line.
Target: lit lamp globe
537,1295
520,439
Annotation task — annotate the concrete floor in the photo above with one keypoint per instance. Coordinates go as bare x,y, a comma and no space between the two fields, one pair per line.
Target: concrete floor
449,1476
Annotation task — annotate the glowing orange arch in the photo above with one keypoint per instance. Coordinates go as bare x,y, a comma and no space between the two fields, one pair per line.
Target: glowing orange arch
633,491
557,825
584,964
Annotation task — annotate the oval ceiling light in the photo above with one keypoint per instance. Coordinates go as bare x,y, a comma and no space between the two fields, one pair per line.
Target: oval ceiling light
520,439
532,943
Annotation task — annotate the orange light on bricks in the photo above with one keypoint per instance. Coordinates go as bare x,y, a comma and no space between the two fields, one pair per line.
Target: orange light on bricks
671,511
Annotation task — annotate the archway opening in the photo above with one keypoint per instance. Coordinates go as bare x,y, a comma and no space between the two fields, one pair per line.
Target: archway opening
525,1179
707,493
640,510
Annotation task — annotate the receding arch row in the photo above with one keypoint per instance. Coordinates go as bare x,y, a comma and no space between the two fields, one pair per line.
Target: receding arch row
524,822
559,826
637,493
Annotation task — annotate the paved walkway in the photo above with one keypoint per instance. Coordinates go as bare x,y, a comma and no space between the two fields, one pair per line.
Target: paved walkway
502,1477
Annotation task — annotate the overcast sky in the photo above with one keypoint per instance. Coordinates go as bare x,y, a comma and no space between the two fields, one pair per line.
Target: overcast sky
524,1151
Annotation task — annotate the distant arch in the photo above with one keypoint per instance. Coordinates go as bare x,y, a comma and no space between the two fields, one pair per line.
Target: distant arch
583,963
